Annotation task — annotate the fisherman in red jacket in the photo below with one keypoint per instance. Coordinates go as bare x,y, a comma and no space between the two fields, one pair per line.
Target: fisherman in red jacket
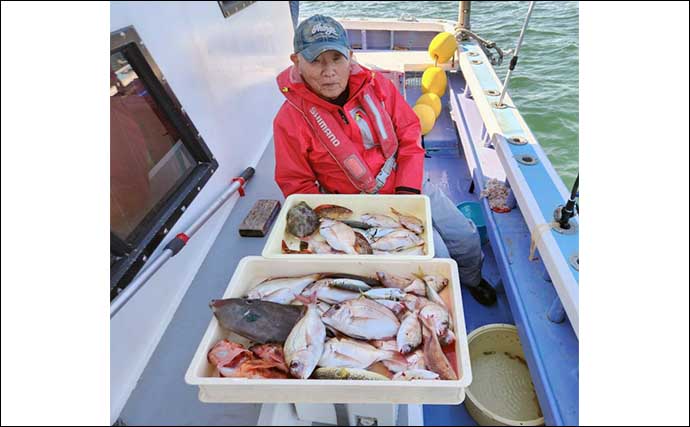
345,129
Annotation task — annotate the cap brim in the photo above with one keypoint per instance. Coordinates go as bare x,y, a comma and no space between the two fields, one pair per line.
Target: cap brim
313,51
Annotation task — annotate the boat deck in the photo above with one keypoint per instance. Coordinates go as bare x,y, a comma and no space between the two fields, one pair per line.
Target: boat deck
161,396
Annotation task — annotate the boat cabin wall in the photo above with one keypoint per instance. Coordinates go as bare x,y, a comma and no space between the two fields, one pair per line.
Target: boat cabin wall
223,72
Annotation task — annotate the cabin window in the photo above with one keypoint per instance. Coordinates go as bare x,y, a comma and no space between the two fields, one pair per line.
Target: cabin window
231,7
158,161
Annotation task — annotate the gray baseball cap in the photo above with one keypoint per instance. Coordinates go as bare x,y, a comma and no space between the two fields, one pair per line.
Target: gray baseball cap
318,34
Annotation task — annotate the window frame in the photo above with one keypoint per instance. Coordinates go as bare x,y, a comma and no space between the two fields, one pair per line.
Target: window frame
128,257
229,8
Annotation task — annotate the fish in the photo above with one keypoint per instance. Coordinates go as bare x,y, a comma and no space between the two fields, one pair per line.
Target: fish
347,374
410,222
286,249
225,352
318,246
434,358
434,297
447,338
304,346
348,353
417,287
399,239
383,221
376,233
338,235
301,221
253,368
271,353
394,294
282,289
258,321
394,306
322,307
362,318
393,281
416,250
328,294
413,360
356,224
362,245
416,374
353,285
414,303
438,316
410,333
333,212
437,283
371,281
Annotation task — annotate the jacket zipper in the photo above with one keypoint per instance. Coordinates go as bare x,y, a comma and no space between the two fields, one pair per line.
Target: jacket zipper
343,116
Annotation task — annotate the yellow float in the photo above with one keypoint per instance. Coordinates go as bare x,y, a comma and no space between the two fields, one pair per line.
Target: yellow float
434,80
432,100
442,47
426,116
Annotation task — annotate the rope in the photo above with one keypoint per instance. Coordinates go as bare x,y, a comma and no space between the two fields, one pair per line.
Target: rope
484,44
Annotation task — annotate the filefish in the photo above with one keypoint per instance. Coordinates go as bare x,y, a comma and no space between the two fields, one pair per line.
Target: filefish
362,318
434,358
338,235
333,212
416,374
348,374
256,320
282,289
399,239
302,220
410,333
347,353
382,221
410,222
304,346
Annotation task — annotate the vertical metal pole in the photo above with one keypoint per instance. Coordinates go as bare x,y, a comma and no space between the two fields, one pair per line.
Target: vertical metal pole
513,61
464,16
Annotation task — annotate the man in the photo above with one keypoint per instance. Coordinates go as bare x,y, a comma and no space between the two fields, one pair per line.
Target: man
346,129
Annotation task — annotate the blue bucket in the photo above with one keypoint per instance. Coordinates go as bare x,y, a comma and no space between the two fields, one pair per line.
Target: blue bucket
473,211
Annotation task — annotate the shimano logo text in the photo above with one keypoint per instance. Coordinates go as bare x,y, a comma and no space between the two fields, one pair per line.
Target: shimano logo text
324,127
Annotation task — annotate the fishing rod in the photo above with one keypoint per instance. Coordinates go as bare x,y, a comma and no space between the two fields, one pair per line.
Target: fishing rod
514,60
175,245
568,211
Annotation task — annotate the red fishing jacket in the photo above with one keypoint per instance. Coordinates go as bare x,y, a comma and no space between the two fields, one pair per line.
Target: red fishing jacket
322,146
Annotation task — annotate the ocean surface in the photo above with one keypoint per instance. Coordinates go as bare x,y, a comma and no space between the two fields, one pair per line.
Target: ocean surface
545,82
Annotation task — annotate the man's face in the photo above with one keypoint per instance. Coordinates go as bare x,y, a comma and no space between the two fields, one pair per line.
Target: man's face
327,76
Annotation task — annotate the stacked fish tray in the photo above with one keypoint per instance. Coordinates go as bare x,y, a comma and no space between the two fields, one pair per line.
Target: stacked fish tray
325,318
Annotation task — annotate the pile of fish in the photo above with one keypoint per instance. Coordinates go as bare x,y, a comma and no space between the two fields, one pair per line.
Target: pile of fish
329,229
338,326
497,194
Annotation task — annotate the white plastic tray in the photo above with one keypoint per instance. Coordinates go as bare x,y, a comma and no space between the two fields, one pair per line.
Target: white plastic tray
413,204
252,270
